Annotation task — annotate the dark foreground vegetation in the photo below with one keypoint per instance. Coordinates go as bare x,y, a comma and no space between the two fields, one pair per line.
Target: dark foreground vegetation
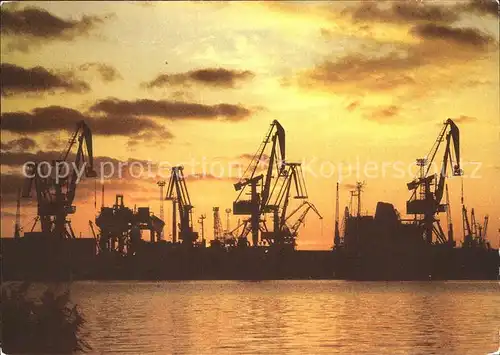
48,324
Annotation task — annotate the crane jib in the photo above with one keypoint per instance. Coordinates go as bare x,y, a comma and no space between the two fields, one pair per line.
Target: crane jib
428,190
55,196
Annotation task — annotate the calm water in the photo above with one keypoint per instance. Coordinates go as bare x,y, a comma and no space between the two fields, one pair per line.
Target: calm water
291,317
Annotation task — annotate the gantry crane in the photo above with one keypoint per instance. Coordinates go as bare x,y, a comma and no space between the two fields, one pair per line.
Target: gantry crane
474,232
468,237
290,230
177,192
120,227
56,187
291,175
223,238
482,229
218,229
427,193
250,182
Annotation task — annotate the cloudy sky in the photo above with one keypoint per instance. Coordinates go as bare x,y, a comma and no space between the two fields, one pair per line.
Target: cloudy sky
353,83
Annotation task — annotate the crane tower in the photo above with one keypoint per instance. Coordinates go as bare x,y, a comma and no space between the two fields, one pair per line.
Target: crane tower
161,184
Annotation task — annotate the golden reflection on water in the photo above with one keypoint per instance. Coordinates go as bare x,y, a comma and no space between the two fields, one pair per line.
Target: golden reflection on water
306,317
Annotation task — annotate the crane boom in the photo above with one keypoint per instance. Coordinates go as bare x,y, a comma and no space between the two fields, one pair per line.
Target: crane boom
55,189
80,158
474,232
306,206
455,134
250,181
485,226
424,202
278,136
178,193
292,175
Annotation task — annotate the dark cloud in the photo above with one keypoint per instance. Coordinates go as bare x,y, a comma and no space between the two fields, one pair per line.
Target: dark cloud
119,117
357,72
150,139
364,13
243,161
105,166
52,142
248,156
130,126
40,23
477,82
461,36
401,13
33,26
107,72
464,119
56,118
16,159
23,143
414,11
481,7
42,119
9,185
326,34
414,68
384,113
132,169
353,105
171,109
16,80
219,77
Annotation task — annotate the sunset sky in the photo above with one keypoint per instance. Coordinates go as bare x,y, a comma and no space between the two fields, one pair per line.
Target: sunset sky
352,83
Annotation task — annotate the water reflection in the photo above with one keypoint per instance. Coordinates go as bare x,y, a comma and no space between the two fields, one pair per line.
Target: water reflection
290,317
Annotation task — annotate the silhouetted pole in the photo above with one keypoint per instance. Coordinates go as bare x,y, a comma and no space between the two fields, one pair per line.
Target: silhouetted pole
255,216
336,238
17,226
161,184
174,221
359,198
201,221
228,211
102,196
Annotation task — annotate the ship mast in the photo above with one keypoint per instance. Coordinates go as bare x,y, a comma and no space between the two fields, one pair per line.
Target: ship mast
17,226
336,238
